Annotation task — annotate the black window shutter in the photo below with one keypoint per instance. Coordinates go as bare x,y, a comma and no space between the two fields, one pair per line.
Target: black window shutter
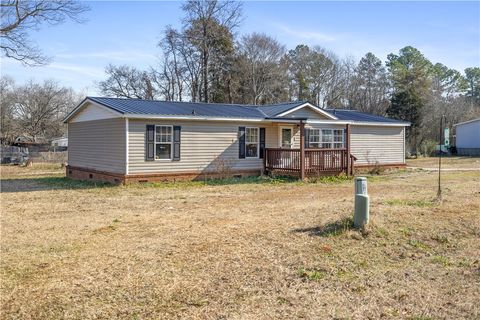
241,142
176,142
307,138
150,143
262,142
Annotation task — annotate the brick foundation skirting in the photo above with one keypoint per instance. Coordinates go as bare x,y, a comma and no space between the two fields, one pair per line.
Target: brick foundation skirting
94,175
187,176
116,178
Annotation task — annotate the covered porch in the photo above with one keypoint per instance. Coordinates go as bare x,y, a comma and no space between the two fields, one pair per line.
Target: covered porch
305,160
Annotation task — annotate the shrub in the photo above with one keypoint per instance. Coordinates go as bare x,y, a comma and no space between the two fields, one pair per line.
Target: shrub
427,148
377,169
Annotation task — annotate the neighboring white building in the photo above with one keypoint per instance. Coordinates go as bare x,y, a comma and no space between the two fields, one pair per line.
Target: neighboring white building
468,138
60,142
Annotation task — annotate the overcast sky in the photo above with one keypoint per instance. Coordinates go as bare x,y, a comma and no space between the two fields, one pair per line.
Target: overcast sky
128,33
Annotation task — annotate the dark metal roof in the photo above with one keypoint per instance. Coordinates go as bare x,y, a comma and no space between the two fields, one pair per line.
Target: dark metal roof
272,110
354,115
173,108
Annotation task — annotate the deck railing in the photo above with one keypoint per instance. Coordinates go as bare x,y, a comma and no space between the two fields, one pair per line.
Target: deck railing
317,161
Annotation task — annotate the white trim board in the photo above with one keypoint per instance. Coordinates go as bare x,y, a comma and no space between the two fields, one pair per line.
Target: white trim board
280,135
462,123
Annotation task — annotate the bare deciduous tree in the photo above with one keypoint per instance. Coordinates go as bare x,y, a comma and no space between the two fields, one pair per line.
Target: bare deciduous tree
39,108
127,82
19,17
7,123
371,86
258,65
208,26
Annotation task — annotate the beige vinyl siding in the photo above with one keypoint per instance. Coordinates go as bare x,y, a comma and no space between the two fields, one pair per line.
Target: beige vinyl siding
201,143
98,145
306,112
377,144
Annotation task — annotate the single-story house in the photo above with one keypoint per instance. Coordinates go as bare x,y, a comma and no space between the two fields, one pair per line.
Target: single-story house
133,140
467,138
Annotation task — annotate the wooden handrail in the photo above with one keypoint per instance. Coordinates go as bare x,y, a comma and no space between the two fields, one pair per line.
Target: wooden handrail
315,161
307,149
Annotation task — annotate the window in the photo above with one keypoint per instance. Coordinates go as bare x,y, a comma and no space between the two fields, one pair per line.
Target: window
163,142
338,139
251,142
314,138
326,138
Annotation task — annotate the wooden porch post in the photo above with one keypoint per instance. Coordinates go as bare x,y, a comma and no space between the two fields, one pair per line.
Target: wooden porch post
265,153
347,146
302,150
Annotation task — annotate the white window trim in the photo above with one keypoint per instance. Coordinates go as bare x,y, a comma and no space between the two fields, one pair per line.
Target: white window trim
332,143
319,137
258,143
155,143
280,136
336,142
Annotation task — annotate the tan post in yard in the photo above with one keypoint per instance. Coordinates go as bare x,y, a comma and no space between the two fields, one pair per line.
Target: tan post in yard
347,146
302,150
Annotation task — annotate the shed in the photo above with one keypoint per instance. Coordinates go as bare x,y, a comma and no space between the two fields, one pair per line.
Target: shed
467,137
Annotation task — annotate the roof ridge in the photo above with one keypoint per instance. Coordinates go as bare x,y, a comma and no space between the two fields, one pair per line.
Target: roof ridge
282,103
172,101
201,102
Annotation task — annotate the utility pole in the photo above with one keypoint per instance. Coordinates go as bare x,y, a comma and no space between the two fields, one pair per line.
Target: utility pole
439,191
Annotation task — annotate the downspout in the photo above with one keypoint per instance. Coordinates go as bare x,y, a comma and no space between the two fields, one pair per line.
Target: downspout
347,142
126,145
302,150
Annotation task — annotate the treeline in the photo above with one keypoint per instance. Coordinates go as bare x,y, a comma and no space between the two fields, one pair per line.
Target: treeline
205,61
34,111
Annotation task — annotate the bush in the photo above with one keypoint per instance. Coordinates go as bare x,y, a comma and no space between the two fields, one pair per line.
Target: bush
377,169
427,148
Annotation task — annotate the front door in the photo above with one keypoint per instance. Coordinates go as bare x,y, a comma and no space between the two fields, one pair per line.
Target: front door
286,137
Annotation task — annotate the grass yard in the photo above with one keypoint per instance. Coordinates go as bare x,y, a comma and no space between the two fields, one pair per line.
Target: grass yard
241,249
451,162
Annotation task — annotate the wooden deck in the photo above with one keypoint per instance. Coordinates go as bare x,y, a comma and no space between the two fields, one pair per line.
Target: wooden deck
317,162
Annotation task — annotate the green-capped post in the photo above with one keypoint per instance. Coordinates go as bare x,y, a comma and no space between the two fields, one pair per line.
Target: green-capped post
362,203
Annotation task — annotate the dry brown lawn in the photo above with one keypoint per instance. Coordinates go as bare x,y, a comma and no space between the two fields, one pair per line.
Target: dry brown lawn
447,162
255,249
